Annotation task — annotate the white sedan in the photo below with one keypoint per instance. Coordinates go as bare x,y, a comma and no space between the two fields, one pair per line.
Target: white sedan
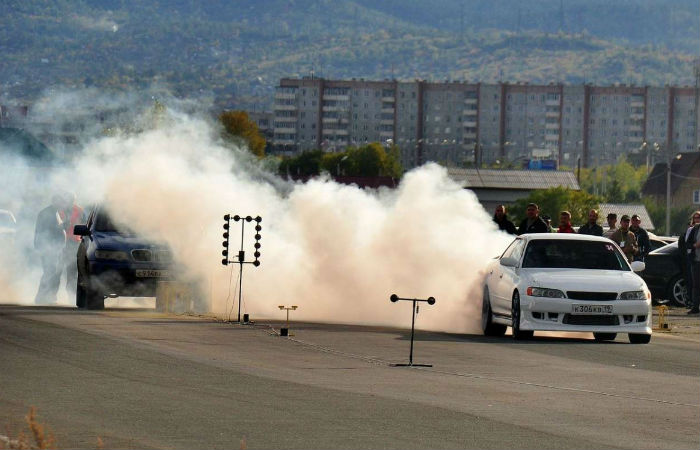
566,282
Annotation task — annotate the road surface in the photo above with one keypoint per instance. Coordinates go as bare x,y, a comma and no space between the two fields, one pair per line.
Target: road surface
140,379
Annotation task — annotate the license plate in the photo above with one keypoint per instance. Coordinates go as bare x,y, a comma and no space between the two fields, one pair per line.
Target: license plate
144,273
592,309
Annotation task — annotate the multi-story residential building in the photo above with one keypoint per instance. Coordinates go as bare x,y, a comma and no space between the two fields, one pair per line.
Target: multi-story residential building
454,123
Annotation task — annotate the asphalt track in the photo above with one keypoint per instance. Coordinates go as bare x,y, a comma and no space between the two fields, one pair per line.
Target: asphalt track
138,379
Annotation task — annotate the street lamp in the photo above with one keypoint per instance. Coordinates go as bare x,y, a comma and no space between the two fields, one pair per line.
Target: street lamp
646,147
337,172
668,189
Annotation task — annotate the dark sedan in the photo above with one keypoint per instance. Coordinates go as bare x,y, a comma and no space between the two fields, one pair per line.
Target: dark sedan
664,275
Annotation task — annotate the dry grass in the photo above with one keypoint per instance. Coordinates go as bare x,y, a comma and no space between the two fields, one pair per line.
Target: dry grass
38,436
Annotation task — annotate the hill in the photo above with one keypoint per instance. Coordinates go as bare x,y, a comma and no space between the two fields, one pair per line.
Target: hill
236,52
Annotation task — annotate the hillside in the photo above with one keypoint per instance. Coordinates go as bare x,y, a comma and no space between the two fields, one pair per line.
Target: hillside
236,52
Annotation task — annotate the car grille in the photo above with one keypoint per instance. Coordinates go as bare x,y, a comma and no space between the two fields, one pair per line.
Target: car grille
575,319
594,296
146,255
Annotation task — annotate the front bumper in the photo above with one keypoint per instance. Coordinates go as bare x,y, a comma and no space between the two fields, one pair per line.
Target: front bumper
628,316
121,279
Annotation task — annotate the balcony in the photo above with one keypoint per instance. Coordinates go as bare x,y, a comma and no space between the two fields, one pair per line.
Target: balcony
285,95
386,122
285,119
637,116
330,120
637,104
470,112
549,102
389,99
471,101
387,110
469,124
285,130
552,114
551,126
285,107
340,97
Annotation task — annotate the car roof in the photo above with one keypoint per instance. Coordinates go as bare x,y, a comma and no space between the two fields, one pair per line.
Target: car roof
563,237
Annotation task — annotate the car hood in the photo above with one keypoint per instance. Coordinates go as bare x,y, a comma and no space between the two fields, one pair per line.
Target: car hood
585,280
116,241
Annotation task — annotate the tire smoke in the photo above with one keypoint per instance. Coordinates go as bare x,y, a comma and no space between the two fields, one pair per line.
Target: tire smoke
336,251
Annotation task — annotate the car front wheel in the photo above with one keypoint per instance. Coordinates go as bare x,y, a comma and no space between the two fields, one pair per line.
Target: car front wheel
80,293
518,334
487,325
604,336
677,291
639,338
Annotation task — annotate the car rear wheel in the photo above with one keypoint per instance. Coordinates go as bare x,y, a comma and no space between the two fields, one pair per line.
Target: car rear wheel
677,291
639,338
487,325
604,336
518,334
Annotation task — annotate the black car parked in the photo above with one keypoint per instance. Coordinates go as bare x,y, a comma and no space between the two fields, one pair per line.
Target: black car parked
664,275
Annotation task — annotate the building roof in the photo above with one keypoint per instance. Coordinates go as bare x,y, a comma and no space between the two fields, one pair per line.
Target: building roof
626,208
513,179
688,166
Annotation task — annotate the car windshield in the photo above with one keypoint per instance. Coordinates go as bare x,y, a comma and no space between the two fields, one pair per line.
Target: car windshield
104,223
574,255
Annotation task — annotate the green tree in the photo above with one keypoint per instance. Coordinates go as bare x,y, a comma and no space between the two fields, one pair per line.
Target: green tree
552,201
370,160
240,129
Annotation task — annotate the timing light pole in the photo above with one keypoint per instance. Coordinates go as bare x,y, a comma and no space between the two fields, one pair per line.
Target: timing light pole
431,301
241,252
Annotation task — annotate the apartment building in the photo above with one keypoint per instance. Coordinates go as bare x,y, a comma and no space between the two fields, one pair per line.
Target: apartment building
460,123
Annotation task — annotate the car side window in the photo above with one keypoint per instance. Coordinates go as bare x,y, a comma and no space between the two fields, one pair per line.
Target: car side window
514,250
509,249
518,250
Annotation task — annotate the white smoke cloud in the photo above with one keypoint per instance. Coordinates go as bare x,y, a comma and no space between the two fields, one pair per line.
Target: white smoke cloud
336,251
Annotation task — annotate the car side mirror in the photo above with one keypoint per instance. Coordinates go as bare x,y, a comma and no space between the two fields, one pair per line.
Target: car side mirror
509,261
81,230
638,266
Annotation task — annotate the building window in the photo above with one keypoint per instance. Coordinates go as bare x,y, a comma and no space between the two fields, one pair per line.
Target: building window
696,197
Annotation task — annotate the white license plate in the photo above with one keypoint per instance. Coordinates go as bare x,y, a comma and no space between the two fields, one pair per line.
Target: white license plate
592,309
144,273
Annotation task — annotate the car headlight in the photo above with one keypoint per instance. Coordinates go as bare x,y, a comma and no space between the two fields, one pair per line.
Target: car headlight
544,292
634,295
111,255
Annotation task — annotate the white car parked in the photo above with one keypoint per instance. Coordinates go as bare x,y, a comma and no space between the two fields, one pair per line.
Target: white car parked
566,282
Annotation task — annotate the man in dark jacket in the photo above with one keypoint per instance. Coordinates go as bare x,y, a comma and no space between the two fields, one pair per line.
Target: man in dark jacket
642,237
501,219
686,253
49,241
532,223
591,227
